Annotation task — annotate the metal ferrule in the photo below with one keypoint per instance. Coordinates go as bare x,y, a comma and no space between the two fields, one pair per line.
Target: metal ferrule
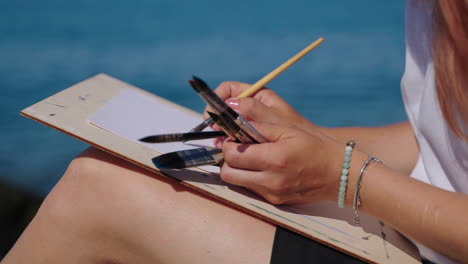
248,131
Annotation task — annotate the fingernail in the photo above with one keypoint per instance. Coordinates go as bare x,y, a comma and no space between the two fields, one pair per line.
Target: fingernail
233,103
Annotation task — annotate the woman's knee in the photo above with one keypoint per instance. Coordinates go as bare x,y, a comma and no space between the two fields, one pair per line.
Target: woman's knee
72,197
93,190
104,190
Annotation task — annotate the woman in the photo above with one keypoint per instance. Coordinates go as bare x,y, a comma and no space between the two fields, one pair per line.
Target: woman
106,210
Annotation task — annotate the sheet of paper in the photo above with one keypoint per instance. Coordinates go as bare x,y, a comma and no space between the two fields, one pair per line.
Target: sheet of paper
132,115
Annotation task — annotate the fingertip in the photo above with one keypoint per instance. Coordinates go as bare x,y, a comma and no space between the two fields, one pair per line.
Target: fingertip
214,127
219,142
228,144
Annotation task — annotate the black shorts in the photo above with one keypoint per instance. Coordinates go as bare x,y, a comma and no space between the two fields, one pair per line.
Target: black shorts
290,247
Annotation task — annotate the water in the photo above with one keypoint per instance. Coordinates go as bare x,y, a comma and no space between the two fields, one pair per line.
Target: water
45,46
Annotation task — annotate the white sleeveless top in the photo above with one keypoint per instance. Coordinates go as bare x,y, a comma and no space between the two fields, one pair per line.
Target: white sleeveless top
443,159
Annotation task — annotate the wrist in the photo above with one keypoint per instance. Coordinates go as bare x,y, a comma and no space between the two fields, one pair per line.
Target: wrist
308,126
330,132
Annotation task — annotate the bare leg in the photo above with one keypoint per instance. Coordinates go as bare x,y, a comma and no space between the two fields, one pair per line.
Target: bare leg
105,210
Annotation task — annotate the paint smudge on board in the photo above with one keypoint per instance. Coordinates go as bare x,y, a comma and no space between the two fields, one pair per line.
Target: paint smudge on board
384,238
61,106
211,187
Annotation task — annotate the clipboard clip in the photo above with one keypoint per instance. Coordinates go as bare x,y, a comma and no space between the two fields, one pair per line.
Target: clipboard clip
232,124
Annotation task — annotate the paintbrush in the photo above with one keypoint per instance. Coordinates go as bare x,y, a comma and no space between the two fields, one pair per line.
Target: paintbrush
265,80
189,158
175,137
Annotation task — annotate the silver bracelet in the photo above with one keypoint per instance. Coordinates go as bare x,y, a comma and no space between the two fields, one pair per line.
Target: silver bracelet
357,194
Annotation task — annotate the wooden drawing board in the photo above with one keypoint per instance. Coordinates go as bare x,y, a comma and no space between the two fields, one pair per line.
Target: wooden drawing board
68,111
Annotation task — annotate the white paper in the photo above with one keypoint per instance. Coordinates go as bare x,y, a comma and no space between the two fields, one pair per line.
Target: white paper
132,115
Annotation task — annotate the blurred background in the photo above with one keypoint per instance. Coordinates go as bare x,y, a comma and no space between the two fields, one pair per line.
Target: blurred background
353,78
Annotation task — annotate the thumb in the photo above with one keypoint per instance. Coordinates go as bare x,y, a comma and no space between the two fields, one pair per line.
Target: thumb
253,109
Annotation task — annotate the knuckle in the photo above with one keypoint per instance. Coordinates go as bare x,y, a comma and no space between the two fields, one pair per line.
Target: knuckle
281,162
228,89
224,90
273,199
277,189
224,85
268,92
278,193
226,175
231,89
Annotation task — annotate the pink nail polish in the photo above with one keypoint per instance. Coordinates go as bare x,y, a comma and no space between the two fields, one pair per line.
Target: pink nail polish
233,103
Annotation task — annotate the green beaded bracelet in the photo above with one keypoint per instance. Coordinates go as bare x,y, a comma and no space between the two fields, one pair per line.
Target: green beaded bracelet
344,173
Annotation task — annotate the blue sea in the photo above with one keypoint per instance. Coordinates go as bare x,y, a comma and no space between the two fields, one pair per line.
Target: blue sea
353,78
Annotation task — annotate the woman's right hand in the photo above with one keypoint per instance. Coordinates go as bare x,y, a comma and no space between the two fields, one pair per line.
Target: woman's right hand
264,106
293,167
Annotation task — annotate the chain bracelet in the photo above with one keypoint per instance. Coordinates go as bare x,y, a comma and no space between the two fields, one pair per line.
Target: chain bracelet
357,194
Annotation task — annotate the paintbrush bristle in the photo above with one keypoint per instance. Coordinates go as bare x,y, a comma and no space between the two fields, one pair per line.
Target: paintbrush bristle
189,158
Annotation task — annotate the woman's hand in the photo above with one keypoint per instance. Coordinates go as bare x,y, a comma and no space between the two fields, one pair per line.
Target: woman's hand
296,167
265,105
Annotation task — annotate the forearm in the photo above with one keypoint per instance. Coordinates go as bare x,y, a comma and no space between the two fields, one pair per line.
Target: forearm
431,216
394,144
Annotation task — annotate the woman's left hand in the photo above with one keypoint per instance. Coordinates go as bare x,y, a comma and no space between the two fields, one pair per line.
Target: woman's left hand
295,167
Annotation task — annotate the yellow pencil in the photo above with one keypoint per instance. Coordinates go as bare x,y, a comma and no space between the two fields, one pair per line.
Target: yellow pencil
262,82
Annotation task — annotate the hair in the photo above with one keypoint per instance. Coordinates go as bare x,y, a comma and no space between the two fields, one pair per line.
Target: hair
450,50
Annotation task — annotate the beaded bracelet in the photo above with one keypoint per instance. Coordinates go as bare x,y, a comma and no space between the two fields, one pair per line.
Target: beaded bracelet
344,173
357,194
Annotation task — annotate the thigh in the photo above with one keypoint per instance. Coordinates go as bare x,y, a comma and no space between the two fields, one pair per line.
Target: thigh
107,209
